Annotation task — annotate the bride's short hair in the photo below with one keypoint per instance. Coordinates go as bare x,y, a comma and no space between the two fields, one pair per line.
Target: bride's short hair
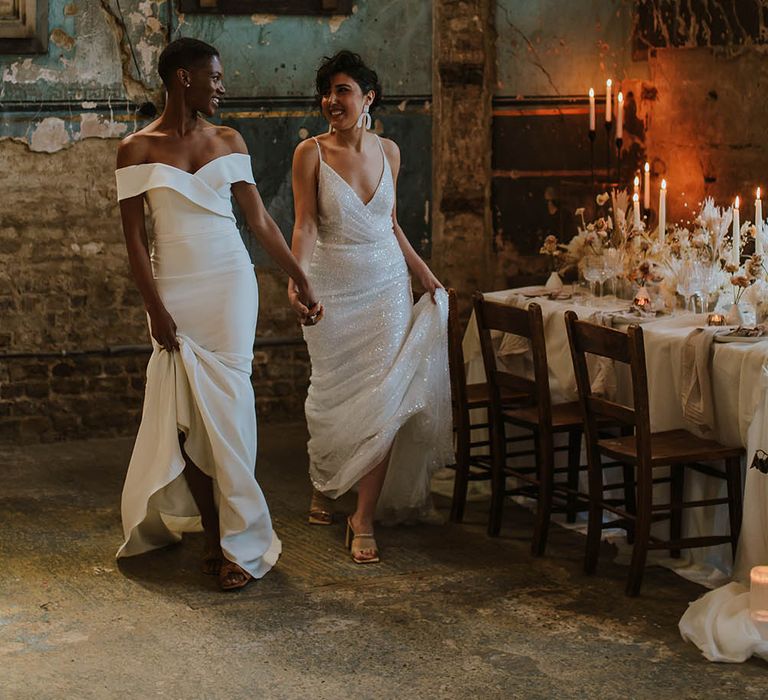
352,64
183,53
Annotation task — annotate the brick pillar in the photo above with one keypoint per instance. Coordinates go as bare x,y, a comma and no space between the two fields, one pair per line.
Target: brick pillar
463,61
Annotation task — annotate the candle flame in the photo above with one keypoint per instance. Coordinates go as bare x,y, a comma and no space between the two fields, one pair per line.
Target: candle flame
591,92
758,193
635,197
663,184
637,181
608,82
647,167
736,203
620,98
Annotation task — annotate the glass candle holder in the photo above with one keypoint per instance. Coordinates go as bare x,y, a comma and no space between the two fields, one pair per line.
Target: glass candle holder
758,593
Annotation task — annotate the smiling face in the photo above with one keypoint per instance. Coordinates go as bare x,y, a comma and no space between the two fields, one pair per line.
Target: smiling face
203,86
344,101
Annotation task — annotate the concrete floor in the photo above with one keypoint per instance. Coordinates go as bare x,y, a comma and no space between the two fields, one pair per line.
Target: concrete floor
448,614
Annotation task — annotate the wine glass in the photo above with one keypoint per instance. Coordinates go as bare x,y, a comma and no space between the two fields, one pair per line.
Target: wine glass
592,271
686,283
613,264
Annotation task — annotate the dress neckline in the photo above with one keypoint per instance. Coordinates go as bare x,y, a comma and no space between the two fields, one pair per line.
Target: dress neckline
181,170
384,165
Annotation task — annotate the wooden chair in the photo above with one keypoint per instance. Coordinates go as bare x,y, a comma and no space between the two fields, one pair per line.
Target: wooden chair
643,452
538,416
473,460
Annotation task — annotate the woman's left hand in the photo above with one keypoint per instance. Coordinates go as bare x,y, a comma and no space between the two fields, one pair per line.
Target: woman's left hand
428,281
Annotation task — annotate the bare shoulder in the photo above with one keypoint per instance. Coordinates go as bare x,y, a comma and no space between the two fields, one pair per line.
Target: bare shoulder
233,138
133,149
390,148
305,153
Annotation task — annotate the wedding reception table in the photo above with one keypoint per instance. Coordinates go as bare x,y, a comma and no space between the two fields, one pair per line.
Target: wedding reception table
719,623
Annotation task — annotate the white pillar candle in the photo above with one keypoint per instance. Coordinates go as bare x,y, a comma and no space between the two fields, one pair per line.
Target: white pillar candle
636,209
591,109
736,237
758,224
663,211
647,186
620,116
608,101
758,593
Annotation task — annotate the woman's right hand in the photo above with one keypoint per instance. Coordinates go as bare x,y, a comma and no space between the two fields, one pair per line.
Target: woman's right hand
163,329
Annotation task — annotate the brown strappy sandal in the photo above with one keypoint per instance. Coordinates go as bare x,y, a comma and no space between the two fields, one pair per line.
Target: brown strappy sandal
211,563
320,509
232,576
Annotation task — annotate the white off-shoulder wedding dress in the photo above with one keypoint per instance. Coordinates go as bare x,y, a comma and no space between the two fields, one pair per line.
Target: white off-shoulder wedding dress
379,364
206,281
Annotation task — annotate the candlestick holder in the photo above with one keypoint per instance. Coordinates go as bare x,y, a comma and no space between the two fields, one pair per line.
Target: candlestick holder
619,142
608,126
592,136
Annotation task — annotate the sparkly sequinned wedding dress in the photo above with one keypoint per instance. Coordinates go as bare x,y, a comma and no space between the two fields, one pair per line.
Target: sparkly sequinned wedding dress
379,364
206,281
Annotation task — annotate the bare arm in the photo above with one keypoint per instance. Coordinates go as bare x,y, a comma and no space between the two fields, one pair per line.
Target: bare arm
419,269
304,238
162,326
266,232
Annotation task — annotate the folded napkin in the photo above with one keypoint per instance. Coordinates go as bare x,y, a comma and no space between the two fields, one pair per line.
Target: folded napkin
696,381
514,344
602,371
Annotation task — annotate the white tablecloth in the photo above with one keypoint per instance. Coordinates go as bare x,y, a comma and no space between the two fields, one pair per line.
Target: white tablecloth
718,622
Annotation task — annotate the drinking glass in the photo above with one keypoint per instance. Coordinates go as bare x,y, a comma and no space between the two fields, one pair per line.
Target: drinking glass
593,266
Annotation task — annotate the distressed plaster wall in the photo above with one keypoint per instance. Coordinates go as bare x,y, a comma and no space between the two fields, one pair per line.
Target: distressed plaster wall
64,279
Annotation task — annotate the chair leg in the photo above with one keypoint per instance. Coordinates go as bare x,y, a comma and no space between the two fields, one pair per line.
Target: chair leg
574,464
630,505
595,518
498,477
642,529
677,485
733,476
461,481
545,464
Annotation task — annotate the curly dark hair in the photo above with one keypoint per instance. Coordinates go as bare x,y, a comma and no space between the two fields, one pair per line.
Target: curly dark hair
352,64
183,53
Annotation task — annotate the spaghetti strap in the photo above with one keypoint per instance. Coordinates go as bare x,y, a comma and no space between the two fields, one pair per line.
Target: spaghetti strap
381,145
319,150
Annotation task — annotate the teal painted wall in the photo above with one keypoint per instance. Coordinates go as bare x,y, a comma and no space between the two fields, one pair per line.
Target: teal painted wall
95,73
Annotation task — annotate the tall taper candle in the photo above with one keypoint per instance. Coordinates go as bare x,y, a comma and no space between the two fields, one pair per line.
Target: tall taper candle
736,236
647,187
620,116
636,209
636,185
608,100
663,211
591,109
758,224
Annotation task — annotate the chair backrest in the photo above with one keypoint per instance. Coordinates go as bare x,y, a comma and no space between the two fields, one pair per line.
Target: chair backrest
628,348
526,323
456,368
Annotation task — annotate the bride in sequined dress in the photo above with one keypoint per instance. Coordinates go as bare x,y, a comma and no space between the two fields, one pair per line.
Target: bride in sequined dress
378,407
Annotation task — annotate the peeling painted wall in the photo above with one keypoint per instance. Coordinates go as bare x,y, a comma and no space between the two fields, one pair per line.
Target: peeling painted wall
64,279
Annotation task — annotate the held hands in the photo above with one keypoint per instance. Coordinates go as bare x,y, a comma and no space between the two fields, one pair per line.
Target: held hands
163,328
303,300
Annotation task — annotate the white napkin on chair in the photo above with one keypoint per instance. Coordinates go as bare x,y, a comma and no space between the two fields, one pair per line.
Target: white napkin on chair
696,381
